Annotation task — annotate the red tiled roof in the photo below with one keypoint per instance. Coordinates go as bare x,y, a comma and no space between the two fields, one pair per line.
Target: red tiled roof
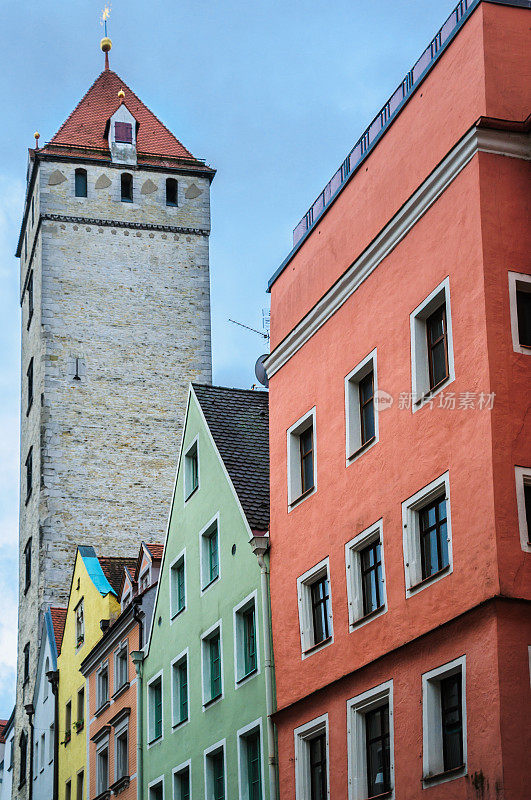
85,127
58,622
3,723
156,551
113,567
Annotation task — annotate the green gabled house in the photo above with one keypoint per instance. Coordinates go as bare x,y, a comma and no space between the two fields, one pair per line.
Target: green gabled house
206,678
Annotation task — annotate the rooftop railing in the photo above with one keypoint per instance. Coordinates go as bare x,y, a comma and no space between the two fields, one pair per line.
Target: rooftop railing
385,117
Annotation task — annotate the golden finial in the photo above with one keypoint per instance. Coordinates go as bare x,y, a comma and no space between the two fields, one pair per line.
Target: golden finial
37,137
121,95
105,43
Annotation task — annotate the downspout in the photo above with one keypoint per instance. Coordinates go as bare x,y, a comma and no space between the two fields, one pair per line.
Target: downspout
259,546
137,657
53,677
30,712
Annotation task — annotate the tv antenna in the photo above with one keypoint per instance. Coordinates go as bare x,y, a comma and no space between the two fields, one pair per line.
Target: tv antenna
263,334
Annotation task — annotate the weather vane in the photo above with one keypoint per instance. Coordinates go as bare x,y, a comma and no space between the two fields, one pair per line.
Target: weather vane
105,14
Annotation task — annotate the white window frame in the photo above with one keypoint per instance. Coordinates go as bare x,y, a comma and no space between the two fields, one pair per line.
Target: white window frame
176,771
46,682
251,600
150,711
154,784
203,545
432,763
79,609
411,534
356,618
210,751
175,699
103,744
303,736
420,382
43,751
357,707
124,645
304,601
354,447
51,742
119,730
173,590
522,476
187,495
521,281
205,664
104,666
293,434
252,727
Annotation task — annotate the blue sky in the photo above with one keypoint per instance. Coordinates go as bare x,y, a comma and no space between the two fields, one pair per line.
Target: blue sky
273,95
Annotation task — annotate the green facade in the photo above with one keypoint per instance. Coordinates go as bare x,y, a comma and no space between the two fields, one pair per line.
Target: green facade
206,650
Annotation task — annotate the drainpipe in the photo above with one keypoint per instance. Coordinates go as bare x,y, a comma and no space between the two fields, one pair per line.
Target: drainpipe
259,546
30,712
137,657
53,677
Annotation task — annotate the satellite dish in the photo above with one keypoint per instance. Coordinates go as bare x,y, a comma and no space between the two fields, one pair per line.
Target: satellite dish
259,370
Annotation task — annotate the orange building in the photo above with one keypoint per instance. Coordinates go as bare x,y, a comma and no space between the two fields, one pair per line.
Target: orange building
112,685
400,377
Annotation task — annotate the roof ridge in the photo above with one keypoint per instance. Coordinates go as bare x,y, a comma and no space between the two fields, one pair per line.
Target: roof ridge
231,388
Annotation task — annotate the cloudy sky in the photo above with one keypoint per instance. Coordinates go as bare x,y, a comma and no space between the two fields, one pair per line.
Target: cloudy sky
272,94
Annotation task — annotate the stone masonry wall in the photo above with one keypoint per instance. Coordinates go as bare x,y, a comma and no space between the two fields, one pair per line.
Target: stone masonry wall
126,310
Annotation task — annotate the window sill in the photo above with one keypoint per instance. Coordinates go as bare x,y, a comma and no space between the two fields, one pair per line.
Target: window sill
79,728
247,675
180,611
209,584
363,619
455,772
176,725
191,494
381,796
125,200
103,795
301,497
172,205
155,740
431,577
430,393
317,646
102,708
361,450
121,689
212,701
121,784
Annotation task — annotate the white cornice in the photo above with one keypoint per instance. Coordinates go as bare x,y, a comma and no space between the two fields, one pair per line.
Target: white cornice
514,145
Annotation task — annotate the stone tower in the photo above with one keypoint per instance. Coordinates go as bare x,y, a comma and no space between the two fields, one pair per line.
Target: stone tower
115,323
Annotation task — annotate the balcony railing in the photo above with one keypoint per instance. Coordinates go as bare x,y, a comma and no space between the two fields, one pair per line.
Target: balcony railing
384,118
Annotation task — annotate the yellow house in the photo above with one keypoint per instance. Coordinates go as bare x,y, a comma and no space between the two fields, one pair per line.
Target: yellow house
93,597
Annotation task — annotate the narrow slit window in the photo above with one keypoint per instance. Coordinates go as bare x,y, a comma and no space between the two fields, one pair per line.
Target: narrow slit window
27,567
126,182
171,192
30,297
29,474
29,375
81,182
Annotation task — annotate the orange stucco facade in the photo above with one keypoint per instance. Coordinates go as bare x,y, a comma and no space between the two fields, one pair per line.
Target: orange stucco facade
472,235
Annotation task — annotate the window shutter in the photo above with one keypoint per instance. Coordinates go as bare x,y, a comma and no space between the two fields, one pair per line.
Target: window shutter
123,132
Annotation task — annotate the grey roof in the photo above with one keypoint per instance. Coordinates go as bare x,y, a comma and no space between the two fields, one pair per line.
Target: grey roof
239,423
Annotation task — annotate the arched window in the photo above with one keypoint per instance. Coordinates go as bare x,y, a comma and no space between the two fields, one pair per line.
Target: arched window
81,182
171,192
45,679
23,746
127,187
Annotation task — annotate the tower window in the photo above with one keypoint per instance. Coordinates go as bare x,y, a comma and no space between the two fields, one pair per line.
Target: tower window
23,746
29,374
123,132
26,661
171,192
29,474
30,298
33,211
27,565
127,187
81,182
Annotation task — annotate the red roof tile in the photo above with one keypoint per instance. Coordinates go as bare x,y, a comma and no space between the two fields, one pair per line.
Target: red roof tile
113,567
3,723
85,127
156,550
58,622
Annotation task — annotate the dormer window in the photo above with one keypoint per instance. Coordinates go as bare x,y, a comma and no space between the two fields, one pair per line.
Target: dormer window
171,192
127,187
123,132
81,182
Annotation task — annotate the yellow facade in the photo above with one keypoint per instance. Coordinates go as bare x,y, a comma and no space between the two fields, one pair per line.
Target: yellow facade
91,592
